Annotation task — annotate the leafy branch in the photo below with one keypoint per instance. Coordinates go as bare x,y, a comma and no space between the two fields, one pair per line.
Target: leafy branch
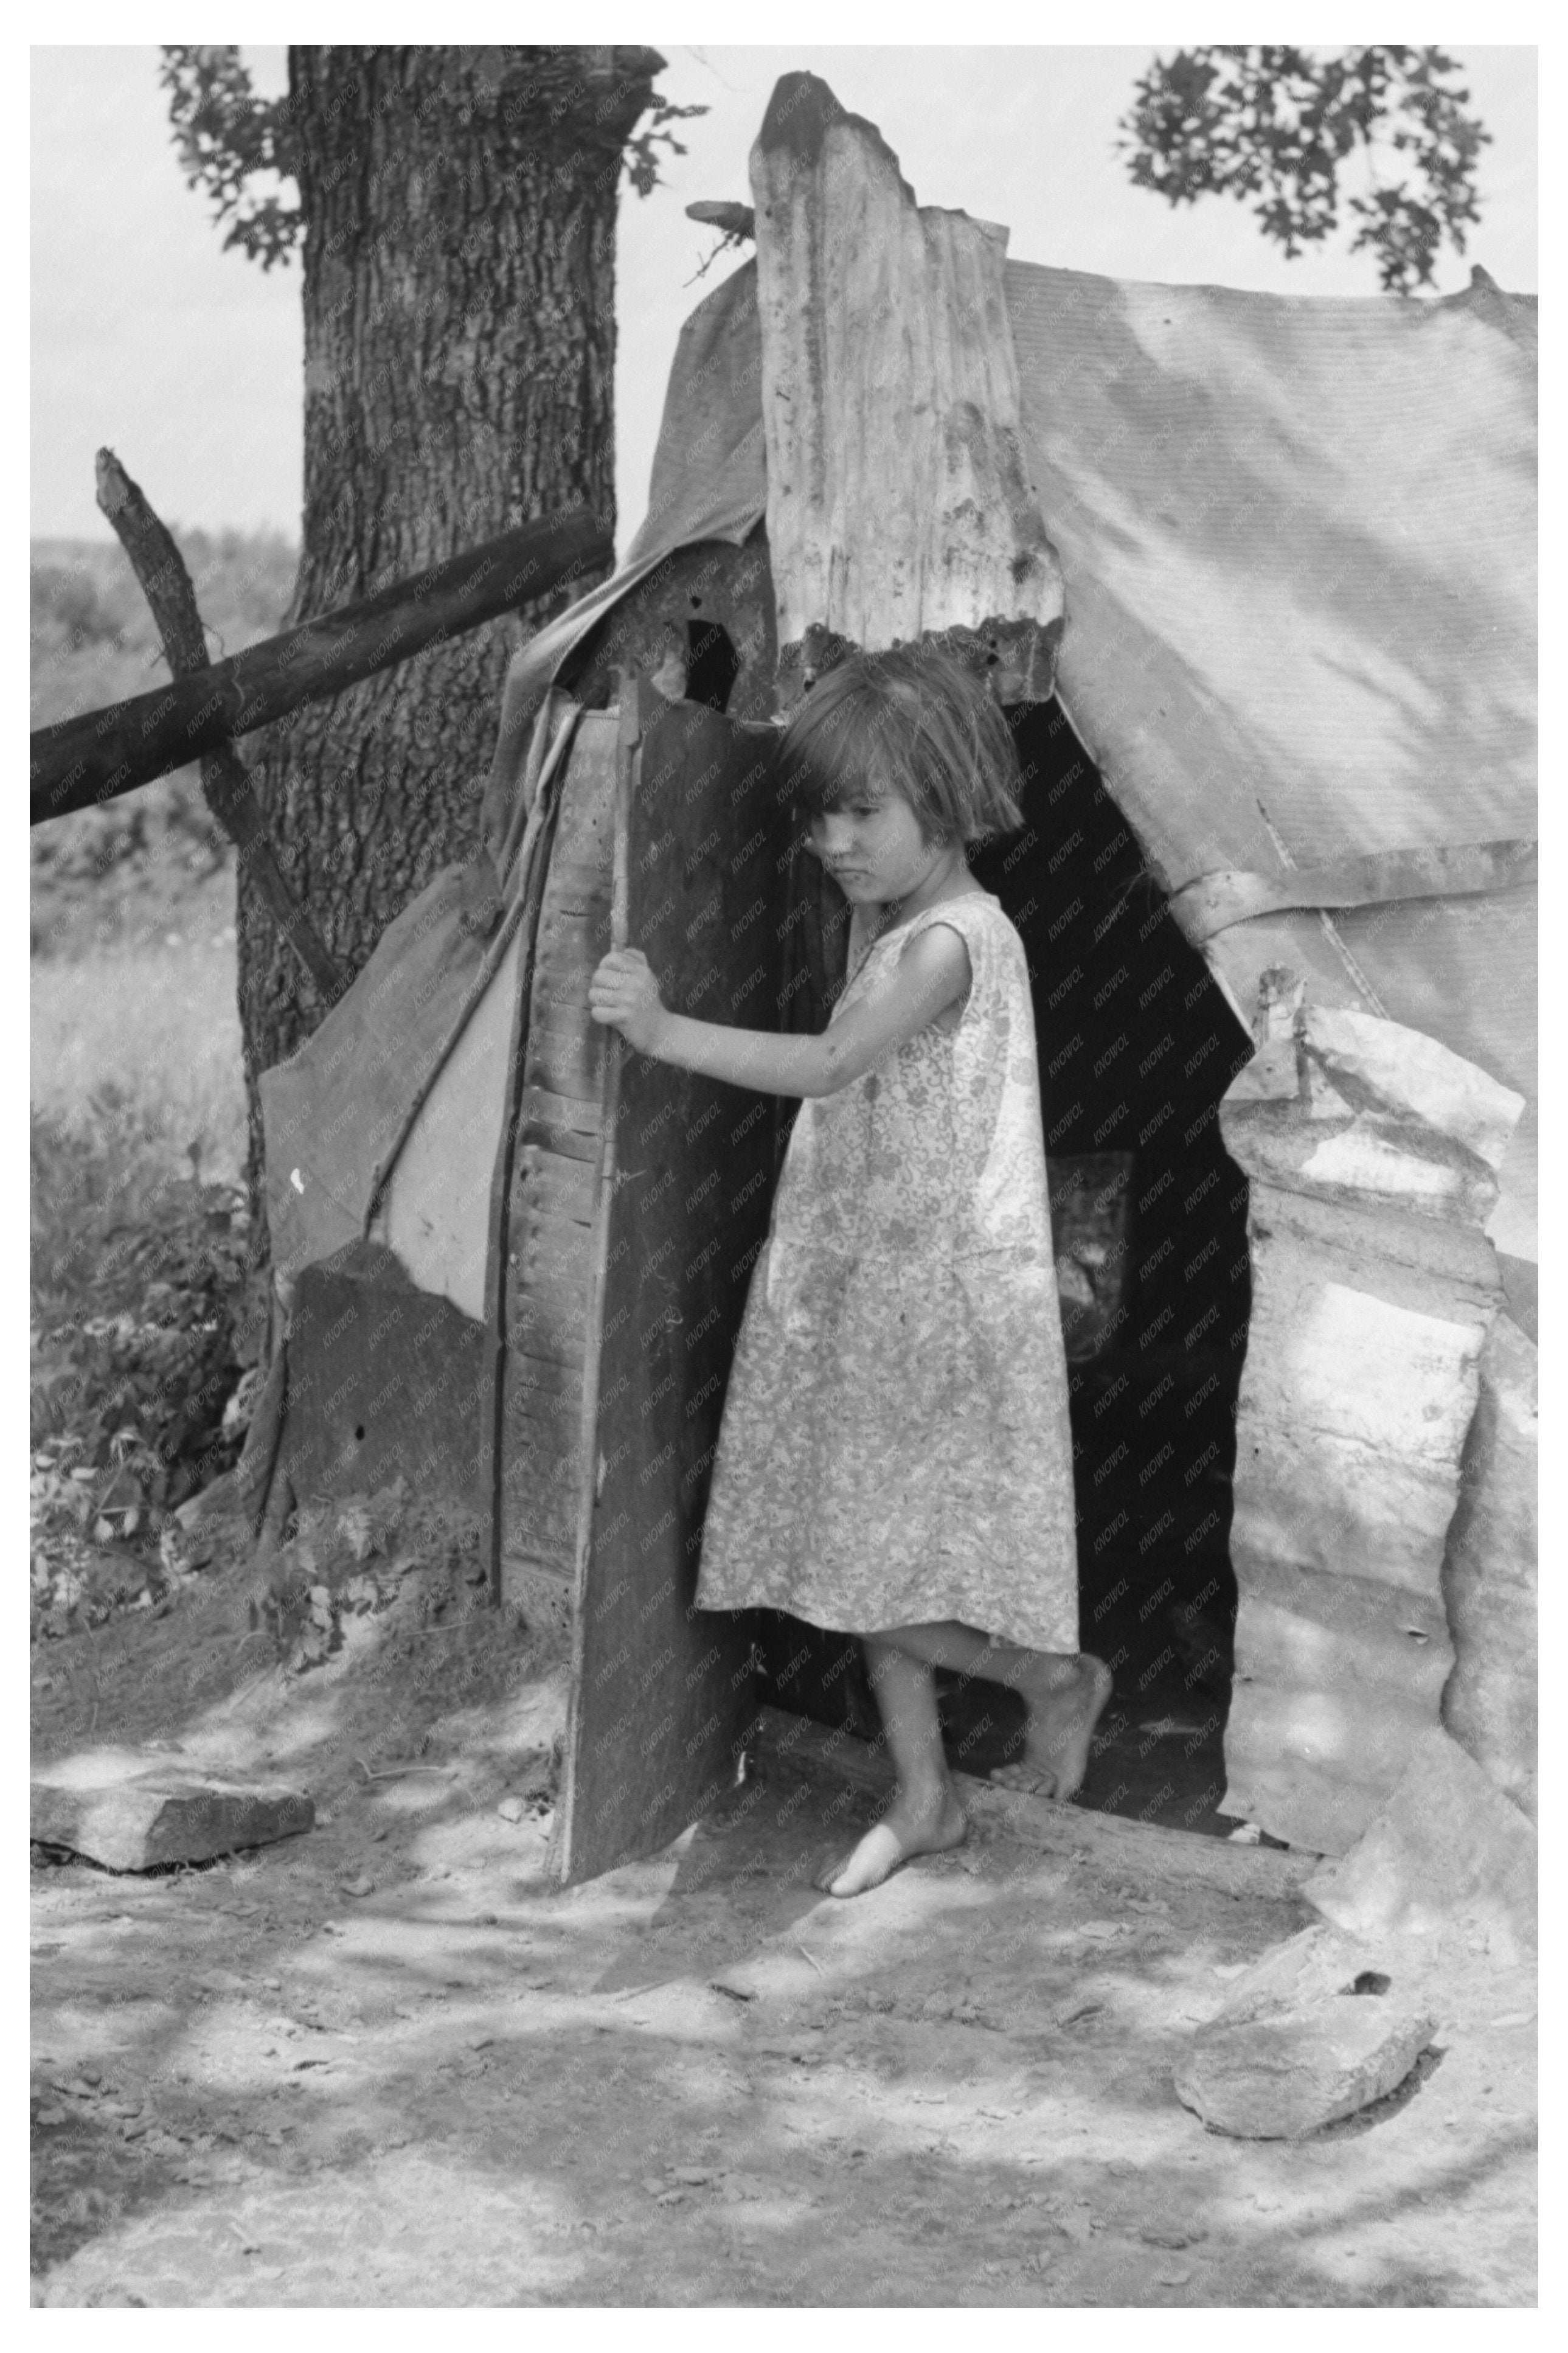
642,152
229,140
1281,125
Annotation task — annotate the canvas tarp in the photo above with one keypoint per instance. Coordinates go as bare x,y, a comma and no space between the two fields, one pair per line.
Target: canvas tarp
709,482
335,1109
1299,541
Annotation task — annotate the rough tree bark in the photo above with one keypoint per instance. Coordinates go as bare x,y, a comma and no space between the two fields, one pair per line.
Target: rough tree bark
460,337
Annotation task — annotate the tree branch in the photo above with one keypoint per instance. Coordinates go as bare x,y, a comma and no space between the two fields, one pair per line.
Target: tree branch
226,781
100,755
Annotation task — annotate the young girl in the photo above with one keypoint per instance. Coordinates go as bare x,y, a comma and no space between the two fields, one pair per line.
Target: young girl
895,1459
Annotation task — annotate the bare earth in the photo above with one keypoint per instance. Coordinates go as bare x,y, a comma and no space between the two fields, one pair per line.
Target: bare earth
694,2082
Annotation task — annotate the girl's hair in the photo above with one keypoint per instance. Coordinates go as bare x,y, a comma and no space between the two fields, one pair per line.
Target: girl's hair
913,722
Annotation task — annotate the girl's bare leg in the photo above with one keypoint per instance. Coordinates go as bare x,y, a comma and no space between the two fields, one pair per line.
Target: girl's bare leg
925,1817
1064,1694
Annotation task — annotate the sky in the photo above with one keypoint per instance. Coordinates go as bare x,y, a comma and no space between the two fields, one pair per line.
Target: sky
186,359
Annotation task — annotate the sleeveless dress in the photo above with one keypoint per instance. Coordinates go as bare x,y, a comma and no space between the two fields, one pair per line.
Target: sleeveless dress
895,1444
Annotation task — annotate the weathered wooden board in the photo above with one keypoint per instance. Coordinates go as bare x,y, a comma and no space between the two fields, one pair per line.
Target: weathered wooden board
546,1237
899,500
663,1697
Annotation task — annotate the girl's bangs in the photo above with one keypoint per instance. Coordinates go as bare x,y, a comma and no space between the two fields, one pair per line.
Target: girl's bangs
841,746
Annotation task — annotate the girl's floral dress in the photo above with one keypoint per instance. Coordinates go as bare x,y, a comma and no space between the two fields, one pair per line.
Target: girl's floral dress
895,1445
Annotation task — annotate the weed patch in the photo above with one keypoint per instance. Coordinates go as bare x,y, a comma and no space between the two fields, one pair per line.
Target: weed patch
143,1360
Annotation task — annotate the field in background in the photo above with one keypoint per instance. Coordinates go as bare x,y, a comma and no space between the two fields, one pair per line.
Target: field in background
133,1027
133,871
145,1041
140,1335
92,636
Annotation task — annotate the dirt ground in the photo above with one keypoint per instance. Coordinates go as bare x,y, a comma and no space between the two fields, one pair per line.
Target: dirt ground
385,2064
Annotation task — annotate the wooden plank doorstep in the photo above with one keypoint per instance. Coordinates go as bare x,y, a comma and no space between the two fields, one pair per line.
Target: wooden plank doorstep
1110,1842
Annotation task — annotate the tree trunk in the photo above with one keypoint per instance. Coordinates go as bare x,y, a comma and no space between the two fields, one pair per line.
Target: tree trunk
460,342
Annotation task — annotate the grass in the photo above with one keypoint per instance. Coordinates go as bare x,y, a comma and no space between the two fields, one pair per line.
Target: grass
153,1033
138,1289
144,1329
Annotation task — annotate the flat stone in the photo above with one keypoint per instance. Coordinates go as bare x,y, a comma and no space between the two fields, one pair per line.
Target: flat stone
131,1811
1315,1965
1276,2078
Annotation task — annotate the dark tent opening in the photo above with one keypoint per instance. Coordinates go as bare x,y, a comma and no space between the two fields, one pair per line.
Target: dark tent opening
1137,1045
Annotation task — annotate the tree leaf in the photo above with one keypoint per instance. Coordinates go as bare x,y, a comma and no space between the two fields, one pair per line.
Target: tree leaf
1277,122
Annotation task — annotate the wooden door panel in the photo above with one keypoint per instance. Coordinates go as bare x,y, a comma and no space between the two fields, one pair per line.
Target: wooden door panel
663,1694
546,1237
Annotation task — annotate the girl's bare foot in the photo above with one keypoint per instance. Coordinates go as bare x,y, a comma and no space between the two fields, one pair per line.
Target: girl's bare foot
1062,1717
907,1829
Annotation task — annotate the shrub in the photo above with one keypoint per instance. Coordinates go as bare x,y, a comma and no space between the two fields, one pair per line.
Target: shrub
140,1349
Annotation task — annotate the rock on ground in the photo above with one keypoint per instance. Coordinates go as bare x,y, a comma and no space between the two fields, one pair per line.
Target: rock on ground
1279,2078
131,1811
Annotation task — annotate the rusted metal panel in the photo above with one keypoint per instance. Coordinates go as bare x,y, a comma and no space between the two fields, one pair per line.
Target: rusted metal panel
663,1699
662,628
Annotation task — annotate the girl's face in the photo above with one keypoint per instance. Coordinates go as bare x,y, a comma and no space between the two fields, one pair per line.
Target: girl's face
873,848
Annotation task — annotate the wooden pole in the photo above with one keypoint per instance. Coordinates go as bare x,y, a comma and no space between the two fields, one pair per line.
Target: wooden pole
225,780
95,757
634,694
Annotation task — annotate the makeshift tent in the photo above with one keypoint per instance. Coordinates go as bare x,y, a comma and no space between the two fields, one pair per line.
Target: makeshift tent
1275,557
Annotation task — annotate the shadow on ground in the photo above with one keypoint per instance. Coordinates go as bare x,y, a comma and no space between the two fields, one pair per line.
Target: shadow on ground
697,2082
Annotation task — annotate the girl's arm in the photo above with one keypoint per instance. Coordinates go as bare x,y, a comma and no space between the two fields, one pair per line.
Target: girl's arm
932,973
